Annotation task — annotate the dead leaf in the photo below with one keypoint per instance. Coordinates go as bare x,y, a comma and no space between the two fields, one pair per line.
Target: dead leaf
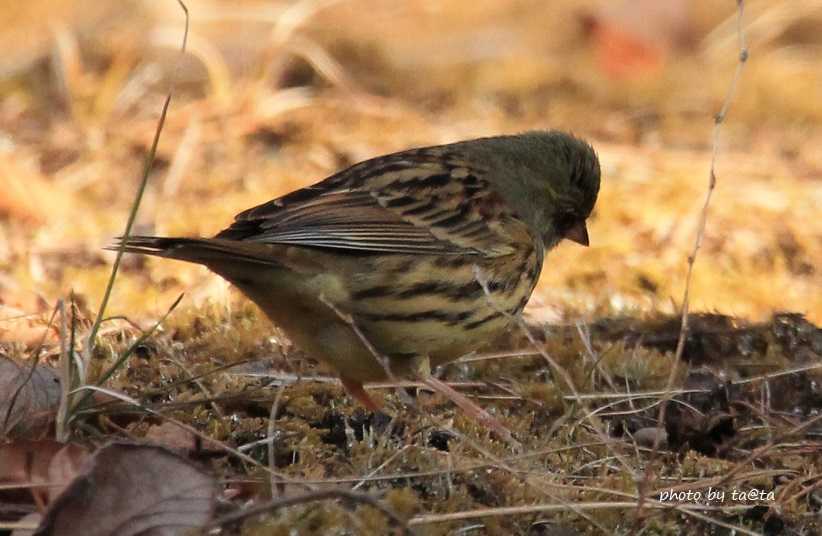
64,467
128,489
49,464
27,411
27,461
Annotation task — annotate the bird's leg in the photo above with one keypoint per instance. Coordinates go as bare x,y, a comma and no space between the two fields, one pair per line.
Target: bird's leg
472,410
356,390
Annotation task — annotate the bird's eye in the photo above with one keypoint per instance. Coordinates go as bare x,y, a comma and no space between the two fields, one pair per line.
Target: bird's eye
564,222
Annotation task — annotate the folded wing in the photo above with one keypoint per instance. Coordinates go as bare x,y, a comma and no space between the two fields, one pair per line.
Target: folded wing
421,201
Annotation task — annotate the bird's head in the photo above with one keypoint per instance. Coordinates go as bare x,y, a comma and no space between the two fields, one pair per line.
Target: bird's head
552,180
571,191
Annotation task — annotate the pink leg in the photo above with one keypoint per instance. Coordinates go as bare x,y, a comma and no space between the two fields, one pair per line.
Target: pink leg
470,408
355,389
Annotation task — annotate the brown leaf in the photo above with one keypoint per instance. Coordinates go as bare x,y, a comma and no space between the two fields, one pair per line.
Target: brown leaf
27,461
130,489
46,462
64,467
26,412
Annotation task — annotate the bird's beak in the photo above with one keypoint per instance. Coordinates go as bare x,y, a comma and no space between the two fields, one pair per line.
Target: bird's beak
578,233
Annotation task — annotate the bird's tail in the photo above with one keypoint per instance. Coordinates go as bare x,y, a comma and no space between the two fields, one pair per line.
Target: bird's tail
209,251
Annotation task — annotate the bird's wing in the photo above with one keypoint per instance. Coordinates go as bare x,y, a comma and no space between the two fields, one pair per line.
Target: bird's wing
420,201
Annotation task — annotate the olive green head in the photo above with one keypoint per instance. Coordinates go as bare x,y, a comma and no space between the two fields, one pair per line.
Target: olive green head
550,179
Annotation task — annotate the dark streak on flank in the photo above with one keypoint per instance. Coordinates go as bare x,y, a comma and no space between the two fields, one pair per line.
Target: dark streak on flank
421,316
449,290
494,286
454,292
477,323
450,262
374,292
405,266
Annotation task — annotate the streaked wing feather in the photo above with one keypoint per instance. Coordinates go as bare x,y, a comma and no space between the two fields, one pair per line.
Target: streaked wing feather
421,201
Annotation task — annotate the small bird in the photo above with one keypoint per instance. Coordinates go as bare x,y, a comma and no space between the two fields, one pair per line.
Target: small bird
406,261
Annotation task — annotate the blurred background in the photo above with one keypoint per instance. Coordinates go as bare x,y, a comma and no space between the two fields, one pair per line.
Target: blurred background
272,96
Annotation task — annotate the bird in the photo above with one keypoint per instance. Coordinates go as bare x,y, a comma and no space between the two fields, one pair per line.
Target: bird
407,261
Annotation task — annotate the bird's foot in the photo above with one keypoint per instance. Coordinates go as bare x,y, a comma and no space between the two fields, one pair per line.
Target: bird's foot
356,390
422,369
471,409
